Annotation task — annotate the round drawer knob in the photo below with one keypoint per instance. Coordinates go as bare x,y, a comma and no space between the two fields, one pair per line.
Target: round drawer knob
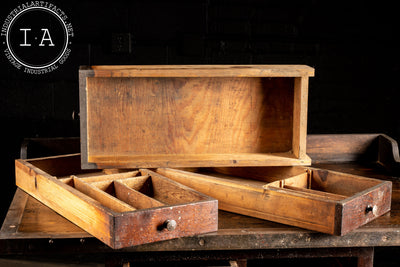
369,209
170,225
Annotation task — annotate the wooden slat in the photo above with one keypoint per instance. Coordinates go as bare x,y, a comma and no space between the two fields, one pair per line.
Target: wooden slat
218,179
267,174
196,160
202,71
135,198
104,185
101,196
109,177
299,140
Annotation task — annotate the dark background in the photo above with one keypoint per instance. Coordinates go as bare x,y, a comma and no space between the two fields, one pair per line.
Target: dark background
353,46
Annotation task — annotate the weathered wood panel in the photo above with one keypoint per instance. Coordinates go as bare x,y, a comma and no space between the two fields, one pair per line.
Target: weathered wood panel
138,117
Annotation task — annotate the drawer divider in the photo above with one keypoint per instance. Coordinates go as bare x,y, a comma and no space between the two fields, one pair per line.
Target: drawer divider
135,198
104,198
109,177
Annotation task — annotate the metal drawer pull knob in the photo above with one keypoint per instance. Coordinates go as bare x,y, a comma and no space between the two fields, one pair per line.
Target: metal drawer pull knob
170,225
368,209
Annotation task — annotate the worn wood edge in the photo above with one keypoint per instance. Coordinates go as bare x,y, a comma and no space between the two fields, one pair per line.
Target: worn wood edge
48,158
102,197
343,152
152,202
10,226
202,160
273,239
337,224
83,74
109,177
199,70
300,106
388,154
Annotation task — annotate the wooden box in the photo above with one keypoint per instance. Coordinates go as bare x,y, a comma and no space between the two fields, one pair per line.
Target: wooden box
193,116
121,208
315,199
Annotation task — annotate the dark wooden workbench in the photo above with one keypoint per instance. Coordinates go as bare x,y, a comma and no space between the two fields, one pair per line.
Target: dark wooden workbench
31,228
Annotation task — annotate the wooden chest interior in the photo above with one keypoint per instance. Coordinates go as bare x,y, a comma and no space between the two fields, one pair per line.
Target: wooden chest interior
193,116
121,208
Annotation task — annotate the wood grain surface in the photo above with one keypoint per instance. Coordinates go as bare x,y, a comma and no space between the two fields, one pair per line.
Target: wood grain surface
146,116
200,71
134,116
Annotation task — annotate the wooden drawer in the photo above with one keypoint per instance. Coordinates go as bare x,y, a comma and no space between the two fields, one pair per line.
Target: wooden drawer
121,208
193,116
315,199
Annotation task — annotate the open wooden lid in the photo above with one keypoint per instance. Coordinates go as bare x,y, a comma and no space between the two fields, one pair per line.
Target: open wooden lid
193,115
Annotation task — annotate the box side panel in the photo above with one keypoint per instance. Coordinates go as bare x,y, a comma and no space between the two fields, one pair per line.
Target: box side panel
202,71
203,160
341,183
57,196
300,108
146,226
188,116
83,75
63,165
